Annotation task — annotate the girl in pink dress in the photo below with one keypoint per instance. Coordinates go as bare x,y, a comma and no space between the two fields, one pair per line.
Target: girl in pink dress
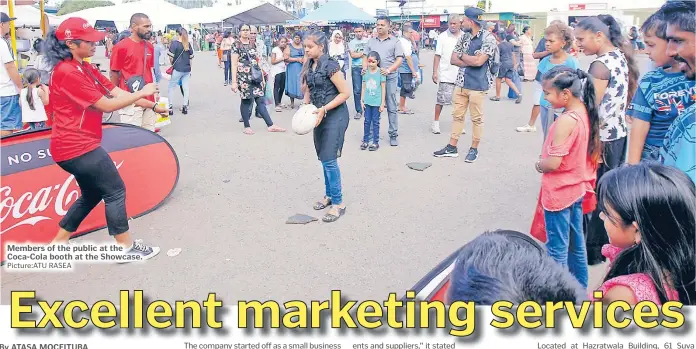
649,212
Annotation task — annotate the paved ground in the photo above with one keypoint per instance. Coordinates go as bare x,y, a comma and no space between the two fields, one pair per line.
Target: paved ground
235,192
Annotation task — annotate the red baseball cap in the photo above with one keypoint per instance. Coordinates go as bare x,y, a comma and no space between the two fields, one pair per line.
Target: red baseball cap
75,28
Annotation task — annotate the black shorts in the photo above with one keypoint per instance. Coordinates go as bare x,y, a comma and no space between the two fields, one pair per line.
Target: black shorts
406,85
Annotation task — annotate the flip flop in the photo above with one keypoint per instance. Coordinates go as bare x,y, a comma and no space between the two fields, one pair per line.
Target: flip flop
248,131
406,112
330,218
276,129
320,205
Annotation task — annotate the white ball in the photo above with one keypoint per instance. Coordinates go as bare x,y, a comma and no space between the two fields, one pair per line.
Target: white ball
304,119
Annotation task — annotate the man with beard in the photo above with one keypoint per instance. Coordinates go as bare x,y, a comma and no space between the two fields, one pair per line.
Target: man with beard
132,67
680,145
472,54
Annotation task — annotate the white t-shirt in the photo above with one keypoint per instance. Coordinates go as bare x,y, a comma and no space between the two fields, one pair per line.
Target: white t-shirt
7,86
433,34
28,115
278,67
446,42
407,46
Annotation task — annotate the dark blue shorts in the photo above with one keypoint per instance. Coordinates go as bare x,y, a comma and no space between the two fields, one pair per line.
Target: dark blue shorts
11,113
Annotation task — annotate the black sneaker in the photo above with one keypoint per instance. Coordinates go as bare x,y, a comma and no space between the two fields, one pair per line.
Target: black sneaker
184,110
472,156
140,252
373,147
171,111
519,99
449,151
363,146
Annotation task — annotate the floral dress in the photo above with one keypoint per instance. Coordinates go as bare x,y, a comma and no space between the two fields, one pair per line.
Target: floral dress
247,59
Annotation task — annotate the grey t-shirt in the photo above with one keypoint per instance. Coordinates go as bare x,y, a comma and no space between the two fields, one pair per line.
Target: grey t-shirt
506,61
388,50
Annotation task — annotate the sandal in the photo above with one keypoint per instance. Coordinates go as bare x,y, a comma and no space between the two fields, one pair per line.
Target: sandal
495,99
320,205
248,131
330,217
406,112
278,109
276,129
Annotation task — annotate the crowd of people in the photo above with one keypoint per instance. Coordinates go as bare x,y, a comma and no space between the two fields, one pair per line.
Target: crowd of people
592,206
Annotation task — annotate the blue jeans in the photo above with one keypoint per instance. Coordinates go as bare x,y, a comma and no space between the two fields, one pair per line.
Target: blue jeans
391,99
228,68
179,79
650,153
356,75
332,181
372,117
565,240
11,113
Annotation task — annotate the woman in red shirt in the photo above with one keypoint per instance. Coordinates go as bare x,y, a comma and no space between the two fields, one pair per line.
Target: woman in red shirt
79,96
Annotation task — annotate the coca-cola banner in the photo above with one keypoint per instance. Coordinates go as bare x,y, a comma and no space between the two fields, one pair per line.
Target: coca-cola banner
35,193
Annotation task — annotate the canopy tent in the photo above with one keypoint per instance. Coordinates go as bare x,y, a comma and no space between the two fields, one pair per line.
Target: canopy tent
160,12
337,11
29,16
258,13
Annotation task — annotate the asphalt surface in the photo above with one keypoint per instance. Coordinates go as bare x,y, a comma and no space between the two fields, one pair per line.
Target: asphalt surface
235,193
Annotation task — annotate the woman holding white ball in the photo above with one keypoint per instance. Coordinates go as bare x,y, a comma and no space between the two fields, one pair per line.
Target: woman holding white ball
328,91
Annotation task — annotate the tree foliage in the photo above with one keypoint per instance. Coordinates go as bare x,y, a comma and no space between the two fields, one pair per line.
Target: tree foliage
70,6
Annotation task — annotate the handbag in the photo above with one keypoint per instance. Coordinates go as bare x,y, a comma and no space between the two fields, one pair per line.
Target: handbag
137,82
256,73
170,70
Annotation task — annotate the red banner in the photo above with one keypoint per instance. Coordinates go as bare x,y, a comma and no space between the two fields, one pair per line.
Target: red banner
576,7
431,22
36,193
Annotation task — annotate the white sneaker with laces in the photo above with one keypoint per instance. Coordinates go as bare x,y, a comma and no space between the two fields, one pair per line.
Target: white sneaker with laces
526,128
435,128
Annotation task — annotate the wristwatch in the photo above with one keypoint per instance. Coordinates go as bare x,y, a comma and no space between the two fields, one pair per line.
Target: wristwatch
153,107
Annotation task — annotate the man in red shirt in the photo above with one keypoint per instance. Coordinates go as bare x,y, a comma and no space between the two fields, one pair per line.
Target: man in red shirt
132,67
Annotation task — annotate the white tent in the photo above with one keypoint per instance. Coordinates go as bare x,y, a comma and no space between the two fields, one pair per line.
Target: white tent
161,13
30,16
263,13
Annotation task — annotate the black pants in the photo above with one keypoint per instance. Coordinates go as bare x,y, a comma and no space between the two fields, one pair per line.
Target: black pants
99,180
246,106
613,156
279,88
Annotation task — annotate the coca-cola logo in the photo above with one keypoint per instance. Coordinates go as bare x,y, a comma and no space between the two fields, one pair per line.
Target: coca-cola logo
32,205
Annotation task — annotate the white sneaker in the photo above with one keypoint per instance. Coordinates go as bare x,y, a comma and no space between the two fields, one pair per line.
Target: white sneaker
526,128
435,128
463,132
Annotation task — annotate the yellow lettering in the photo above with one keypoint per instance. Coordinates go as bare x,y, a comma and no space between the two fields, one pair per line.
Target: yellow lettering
468,323
180,316
258,308
317,307
523,314
671,311
300,313
97,314
153,314
339,312
498,311
70,319
639,314
17,309
363,314
50,314
211,304
439,314
611,314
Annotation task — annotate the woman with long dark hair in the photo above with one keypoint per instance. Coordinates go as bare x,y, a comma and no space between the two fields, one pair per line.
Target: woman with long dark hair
327,90
649,212
79,96
616,79
248,80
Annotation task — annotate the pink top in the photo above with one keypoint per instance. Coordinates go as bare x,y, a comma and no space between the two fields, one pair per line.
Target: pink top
641,284
577,173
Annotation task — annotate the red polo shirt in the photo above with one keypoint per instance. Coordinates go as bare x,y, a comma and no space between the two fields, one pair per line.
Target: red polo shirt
127,58
77,126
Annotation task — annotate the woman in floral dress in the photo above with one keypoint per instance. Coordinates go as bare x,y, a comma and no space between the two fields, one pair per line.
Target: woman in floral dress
244,63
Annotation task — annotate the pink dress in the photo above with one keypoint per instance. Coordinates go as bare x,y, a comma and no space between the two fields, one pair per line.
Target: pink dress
641,284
